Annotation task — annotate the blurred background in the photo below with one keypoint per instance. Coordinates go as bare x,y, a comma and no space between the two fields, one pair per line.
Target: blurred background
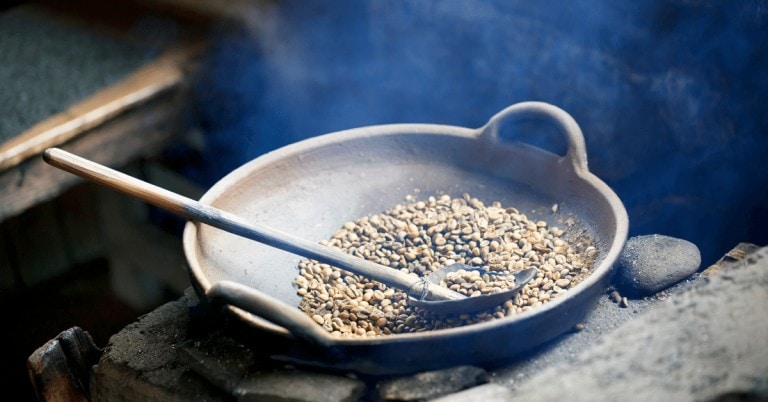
670,95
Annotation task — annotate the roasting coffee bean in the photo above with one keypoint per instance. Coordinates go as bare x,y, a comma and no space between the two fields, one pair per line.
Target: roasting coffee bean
426,235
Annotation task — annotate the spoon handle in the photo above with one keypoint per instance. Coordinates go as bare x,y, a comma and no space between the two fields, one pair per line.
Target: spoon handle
196,211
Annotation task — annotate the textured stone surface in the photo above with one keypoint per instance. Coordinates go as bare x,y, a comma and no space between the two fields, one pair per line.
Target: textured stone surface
702,339
431,384
484,393
239,371
300,386
220,360
650,264
141,363
708,343
606,317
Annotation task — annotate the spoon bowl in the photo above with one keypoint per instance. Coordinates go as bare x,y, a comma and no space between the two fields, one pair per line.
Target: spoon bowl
473,303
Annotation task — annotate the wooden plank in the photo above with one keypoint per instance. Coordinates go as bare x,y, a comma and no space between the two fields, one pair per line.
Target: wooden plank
731,259
134,133
157,77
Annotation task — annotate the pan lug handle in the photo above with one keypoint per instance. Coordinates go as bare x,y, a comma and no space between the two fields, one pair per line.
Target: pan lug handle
271,309
577,150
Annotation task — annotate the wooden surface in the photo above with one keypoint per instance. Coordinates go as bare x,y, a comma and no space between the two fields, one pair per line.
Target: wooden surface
152,80
136,117
130,121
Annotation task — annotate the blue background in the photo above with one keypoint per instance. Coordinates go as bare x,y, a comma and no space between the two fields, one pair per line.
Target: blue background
670,94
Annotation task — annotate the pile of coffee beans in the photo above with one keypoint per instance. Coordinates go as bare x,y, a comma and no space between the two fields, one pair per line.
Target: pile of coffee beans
422,236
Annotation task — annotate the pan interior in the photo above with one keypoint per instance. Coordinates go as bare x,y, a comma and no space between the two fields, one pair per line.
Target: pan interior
311,190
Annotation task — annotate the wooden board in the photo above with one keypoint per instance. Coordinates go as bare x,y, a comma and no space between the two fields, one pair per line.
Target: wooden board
135,118
161,75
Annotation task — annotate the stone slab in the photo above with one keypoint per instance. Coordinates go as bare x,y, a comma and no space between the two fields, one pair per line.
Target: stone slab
484,393
430,384
708,343
608,315
300,386
701,339
141,363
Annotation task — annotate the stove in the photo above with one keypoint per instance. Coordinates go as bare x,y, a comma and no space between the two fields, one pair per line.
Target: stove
187,350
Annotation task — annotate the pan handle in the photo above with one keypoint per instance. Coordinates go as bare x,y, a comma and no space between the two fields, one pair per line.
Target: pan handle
577,150
271,309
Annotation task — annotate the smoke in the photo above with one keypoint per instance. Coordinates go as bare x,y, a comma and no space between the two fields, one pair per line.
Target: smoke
668,94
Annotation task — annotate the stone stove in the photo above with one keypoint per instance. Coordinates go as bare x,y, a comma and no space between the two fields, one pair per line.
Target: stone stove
704,338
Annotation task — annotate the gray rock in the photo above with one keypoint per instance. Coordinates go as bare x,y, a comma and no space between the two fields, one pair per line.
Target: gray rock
300,386
431,384
709,343
484,393
649,264
141,363
217,358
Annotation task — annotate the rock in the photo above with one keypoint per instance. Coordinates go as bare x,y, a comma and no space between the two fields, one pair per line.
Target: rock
141,362
219,359
606,317
649,264
708,343
300,386
431,384
484,393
